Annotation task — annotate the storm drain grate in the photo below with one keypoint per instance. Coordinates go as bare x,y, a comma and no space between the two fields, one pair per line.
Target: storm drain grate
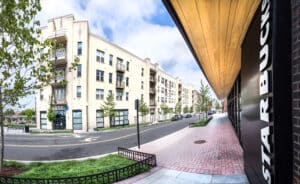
199,141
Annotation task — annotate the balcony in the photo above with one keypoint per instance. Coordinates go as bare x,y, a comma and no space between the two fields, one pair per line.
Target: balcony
120,85
120,67
59,57
152,103
58,35
152,90
152,79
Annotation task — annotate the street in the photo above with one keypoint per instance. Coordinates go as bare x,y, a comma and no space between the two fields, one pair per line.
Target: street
70,146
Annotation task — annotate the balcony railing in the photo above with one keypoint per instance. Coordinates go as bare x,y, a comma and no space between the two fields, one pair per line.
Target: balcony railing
59,56
120,85
152,90
121,67
58,35
152,103
152,79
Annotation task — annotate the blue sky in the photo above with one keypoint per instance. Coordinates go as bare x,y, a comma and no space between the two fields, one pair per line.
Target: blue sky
144,28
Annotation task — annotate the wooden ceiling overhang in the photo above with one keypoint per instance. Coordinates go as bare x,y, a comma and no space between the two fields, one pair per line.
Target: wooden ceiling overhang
214,31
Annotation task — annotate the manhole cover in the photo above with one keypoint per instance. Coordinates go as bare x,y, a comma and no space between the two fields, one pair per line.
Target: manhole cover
200,142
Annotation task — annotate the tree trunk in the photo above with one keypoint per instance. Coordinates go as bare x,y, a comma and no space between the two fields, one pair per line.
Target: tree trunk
2,131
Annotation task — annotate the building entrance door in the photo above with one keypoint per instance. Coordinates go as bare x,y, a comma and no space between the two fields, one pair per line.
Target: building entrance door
60,121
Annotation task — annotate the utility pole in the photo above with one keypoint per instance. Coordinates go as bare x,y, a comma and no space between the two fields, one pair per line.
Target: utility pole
137,122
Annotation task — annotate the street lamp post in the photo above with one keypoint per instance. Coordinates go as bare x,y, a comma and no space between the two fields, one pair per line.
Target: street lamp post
137,121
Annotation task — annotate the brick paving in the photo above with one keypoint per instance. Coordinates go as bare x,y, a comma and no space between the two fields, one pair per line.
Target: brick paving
221,154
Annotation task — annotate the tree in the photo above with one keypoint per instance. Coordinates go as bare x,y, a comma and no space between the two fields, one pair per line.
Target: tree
185,109
29,114
109,106
9,112
51,115
178,108
217,105
24,64
204,98
191,109
143,109
165,109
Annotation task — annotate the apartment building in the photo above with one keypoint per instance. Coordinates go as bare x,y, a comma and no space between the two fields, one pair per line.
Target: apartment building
104,68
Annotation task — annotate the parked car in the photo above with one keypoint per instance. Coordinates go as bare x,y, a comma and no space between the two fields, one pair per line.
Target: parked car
180,116
175,118
188,116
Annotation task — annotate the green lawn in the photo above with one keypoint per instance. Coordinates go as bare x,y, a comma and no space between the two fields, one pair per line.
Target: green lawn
120,127
50,131
71,168
201,123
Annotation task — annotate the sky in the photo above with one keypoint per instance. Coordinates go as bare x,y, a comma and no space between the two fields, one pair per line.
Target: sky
144,28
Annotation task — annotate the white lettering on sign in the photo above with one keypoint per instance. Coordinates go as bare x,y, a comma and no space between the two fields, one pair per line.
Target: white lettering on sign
265,106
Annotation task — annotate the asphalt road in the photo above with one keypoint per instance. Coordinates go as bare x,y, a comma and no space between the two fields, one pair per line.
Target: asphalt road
59,147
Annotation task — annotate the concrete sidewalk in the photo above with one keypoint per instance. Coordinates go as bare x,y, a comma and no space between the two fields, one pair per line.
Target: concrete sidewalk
180,160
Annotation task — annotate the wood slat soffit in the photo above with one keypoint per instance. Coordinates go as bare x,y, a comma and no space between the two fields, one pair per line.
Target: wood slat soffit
215,30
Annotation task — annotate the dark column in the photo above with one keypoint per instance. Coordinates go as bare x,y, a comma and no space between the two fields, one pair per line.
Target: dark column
296,87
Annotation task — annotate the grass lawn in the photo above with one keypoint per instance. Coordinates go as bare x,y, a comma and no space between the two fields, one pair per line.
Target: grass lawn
71,168
50,131
201,123
120,127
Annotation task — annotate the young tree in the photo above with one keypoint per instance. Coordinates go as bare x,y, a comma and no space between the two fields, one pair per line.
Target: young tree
165,109
29,114
217,105
191,109
204,98
51,114
9,112
109,106
143,109
23,68
185,109
178,108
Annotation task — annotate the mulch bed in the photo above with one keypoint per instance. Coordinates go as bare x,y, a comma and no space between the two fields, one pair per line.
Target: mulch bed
10,171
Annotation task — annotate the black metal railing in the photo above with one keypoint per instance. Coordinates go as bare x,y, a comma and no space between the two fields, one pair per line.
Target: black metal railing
144,162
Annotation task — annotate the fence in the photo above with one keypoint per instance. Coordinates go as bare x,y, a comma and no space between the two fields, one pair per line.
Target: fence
144,162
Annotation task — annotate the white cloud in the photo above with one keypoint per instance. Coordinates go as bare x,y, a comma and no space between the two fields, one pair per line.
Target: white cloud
128,23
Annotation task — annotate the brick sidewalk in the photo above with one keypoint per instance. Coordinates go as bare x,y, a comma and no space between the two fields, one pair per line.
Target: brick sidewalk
221,154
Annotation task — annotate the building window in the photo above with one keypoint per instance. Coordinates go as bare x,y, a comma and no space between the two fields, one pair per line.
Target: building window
127,81
60,94
100,75
120,118
127,66
142,85
110,92
162,99
110,77
119,95
41,94
158,99
162,90
78,91
142,96
100,94
162,80
43,119
111,59
127,96
142,72
158,79
99,119
77,120
79,48
79,70
100,56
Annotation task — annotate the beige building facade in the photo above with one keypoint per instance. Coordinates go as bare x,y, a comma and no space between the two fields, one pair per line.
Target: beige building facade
104,68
